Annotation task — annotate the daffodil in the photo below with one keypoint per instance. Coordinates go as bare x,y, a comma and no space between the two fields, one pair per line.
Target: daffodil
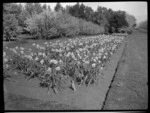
49,70
36,59
93,65
57,68
42,61
53,61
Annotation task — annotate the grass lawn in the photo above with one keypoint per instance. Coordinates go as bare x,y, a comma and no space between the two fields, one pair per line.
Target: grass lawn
19,102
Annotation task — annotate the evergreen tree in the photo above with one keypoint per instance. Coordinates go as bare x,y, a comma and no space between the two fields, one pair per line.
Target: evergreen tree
58,7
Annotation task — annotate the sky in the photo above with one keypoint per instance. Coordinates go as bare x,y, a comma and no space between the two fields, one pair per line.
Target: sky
137,9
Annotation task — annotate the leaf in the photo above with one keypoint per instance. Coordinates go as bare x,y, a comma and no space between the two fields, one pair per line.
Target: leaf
73,85
55,90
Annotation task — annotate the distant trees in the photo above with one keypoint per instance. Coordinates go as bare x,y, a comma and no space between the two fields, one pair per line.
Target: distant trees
109,19
58,7
131,20
33,8
143,25
17,18
11,14
15,15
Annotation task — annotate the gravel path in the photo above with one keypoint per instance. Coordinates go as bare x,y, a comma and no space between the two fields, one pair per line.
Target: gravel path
129,90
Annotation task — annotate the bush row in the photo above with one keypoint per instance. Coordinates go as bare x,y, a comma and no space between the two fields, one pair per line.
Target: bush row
55,24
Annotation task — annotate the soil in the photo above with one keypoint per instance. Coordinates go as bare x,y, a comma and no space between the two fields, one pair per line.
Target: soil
129,89
85,98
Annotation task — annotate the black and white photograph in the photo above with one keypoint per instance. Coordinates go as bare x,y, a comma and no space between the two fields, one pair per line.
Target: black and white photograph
75,56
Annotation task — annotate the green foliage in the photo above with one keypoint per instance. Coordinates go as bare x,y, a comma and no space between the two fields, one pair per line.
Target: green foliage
107,18
55,24
131,20
88,28
45,7
11,12
67,25
143,25
10,26
22,17
41,24
125,30
58,7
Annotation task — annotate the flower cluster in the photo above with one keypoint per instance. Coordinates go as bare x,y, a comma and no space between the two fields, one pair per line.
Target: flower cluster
79,59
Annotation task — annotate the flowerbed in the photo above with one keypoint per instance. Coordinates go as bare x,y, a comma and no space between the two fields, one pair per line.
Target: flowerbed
77,60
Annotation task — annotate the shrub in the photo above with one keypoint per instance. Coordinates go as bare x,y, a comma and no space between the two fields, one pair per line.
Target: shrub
88,28
40,24
48,24
67,25
143,25
10,26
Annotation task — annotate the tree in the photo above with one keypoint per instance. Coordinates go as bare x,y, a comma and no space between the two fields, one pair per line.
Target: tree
131,20
22,17
44,7
89,13
82,11
12,8
10,25
30,8
74,10
143,25
49,8
38,8
58,7
11,12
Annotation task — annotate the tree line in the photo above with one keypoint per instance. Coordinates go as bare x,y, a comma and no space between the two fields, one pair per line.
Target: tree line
40,21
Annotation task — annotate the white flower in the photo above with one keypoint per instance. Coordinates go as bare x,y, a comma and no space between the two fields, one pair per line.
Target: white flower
57,68
30,57
68,54
60,61
53,61
33,44
36,59
93,65
21,48
16,47
94,60
101,68
87,62
104,57
99,61
44,54
78,62
49,70
14,51
42,61
4,54
21,52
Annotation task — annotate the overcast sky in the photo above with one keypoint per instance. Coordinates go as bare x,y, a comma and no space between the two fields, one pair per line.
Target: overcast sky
137,9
